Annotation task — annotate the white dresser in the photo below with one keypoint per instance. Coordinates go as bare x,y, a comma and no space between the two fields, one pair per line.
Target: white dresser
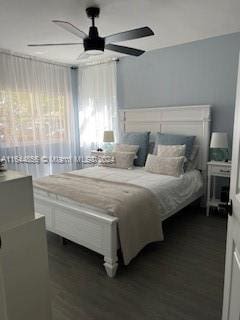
24,277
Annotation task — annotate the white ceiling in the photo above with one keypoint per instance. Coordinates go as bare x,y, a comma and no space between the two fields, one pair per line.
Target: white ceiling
173,21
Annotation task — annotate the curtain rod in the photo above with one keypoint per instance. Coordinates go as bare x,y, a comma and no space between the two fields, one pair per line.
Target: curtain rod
72,66
93,63
33,58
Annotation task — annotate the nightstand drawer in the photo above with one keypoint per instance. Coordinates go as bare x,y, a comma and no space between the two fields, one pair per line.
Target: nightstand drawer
222,171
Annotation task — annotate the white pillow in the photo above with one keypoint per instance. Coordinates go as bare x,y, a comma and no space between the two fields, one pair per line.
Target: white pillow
166,166
123,160
168,151
120,147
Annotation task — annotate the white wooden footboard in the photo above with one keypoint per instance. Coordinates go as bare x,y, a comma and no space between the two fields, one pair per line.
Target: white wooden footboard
94,230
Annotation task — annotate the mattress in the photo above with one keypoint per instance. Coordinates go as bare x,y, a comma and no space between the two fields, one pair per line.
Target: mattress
171,192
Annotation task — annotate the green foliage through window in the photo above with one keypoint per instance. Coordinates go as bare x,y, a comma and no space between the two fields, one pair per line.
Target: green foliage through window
30,118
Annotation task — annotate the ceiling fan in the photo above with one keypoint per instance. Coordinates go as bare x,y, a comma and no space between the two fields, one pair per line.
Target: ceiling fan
93,43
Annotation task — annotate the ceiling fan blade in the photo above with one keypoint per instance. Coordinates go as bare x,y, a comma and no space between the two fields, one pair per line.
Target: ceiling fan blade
54,44
83,56
129,35
70,28
123,49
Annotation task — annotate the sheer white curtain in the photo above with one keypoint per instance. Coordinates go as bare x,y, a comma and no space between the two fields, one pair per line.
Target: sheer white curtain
36,115
97,104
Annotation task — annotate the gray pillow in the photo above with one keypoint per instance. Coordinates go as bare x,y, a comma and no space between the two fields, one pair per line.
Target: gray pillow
142,140
193,162
175,139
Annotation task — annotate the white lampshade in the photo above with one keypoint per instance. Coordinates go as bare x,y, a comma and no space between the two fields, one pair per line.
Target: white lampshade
108,136
219,140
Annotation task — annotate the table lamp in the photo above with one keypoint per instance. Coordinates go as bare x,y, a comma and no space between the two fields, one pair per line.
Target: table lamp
108,139
219,146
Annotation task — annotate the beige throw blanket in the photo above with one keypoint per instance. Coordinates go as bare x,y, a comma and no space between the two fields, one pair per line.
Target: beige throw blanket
135,207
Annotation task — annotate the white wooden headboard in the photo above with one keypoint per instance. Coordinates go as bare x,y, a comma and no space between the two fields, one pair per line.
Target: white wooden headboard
188,120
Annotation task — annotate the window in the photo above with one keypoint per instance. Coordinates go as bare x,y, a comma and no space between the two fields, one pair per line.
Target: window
23,121
97,104
36,114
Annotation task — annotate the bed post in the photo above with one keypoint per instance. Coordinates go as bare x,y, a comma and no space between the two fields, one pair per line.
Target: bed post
111,247
205,151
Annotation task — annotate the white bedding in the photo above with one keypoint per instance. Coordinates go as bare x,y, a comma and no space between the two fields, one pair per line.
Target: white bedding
171,192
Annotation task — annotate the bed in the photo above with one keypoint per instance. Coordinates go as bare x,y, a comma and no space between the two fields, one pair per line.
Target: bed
95,228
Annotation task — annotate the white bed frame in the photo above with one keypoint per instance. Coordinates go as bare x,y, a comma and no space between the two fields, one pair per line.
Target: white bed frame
97,230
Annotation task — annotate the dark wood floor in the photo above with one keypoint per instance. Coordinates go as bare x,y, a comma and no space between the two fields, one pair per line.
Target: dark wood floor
178,279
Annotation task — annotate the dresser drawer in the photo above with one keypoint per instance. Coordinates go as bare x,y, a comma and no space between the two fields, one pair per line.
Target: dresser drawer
222,171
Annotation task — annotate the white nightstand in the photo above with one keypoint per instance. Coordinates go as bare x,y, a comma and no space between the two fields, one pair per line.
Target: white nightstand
216,169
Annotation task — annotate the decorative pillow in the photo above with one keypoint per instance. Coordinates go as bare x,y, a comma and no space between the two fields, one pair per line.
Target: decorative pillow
195,151
142,140
193,161
105,160
151,147
120,147
171,151
123,160
165,166
175,139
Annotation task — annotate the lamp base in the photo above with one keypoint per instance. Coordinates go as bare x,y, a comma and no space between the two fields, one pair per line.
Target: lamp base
108,147
219,154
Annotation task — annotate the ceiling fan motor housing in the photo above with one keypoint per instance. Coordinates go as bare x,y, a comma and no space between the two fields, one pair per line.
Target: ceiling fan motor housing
93,42
93,12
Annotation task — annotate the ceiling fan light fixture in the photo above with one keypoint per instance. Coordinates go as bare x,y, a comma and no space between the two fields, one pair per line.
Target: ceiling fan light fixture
94,52
40,52
94,45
